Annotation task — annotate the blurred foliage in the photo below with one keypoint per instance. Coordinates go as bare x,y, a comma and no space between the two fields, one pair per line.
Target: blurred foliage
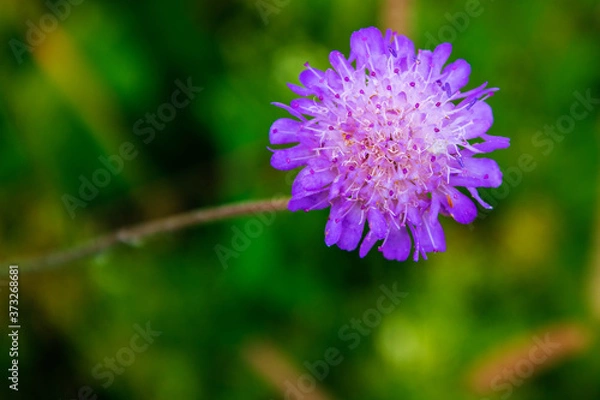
522,270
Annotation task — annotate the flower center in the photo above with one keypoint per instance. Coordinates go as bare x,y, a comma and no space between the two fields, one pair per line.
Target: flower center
388,147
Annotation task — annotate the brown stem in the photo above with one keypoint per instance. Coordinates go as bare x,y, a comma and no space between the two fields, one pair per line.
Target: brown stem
135,233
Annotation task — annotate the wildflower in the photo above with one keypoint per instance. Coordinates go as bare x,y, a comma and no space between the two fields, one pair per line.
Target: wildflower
386,141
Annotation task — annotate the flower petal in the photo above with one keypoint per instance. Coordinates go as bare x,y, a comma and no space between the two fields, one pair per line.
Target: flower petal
312,78
333,228
478,172
424,64
397,245
456,74
290,110
431,236
309,180
482,119
299,90
377,223
307,106
492,143
284,131
364,45
315,201
333,231
477,197
341,65
367,244
404,49
437,200
440,56
352,229
459,206
286,159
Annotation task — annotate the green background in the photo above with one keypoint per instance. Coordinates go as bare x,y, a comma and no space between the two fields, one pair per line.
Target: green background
530,268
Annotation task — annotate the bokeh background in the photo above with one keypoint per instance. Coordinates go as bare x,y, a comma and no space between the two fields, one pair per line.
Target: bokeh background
253,324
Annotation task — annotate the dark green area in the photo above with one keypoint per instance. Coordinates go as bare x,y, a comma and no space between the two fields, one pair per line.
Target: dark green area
523,269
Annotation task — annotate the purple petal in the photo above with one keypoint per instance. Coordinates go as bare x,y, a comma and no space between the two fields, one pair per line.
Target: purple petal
405,49
425,63
397,244
437,200
477,197
492,143
431,236
456,74
307,106
478,172
286,159
341,65
459,206
309,180
440,56
414,214
299,90
482,118
315,201
312,78
284,131
367,244
377,223
290,110
353,226
333,80
333,228
478,92
337,186
365,44
333,231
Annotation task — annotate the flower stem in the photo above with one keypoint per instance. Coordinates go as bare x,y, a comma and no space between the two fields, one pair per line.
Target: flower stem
135,233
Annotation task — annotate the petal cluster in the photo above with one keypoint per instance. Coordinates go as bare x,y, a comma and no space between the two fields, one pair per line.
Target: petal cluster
384,138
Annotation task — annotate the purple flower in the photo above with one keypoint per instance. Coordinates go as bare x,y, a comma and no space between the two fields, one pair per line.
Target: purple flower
386,141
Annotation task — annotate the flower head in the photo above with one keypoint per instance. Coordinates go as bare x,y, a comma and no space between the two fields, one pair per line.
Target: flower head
385,137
